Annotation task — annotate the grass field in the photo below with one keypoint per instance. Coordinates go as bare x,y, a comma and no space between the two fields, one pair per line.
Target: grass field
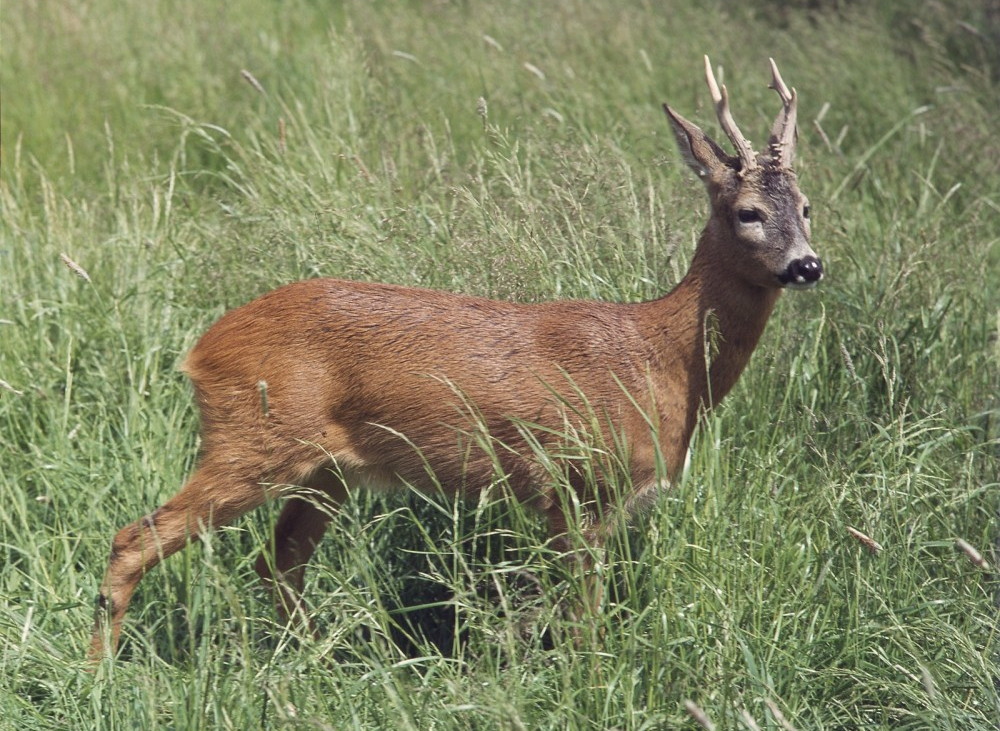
515,150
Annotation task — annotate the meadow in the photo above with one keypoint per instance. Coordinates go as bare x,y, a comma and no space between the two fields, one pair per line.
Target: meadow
816,568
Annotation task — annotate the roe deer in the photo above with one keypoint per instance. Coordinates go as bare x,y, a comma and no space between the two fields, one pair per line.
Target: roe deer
325,384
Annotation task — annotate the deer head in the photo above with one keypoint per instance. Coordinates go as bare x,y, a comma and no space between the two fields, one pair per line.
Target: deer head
759,215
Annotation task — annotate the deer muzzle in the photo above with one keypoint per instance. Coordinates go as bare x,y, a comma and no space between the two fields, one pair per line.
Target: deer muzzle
802,273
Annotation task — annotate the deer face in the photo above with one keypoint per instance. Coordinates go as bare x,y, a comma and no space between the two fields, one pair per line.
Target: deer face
766,217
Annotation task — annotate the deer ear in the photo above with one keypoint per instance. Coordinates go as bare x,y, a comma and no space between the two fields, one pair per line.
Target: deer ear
700,152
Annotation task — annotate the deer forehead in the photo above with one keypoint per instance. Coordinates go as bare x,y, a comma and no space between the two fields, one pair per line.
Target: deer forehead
766,188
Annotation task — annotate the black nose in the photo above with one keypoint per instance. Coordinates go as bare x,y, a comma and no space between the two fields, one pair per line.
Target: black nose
802,272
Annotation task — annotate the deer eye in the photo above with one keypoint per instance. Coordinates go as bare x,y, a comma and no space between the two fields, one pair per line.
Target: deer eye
806,210
748,215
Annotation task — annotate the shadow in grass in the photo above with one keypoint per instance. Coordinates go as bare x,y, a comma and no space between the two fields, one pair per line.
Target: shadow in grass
427,617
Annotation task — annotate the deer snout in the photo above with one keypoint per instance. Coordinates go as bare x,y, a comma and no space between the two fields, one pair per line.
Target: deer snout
801,273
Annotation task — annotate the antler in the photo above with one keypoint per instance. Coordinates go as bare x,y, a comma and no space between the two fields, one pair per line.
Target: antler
782,140
748,158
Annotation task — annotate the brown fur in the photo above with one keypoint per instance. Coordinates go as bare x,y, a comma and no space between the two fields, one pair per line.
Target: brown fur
326,383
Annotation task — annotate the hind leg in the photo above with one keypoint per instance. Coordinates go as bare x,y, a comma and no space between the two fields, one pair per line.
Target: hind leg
298,531
209,499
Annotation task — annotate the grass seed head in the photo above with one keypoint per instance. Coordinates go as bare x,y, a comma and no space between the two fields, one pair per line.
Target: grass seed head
75,268
975,556
871,544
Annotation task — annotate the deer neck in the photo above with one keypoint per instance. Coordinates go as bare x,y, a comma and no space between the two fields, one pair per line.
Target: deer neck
708,327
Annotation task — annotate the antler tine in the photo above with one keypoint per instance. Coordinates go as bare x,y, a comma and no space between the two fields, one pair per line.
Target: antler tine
748,157
778,84
782,139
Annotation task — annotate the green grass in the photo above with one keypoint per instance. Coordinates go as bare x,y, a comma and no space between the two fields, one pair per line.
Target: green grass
131,144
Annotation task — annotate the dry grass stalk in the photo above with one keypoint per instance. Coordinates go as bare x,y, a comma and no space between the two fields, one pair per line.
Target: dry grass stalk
975,556
700,717
7,387
531,68
778,715
492,42
252,80
75,268
871,544
749,720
